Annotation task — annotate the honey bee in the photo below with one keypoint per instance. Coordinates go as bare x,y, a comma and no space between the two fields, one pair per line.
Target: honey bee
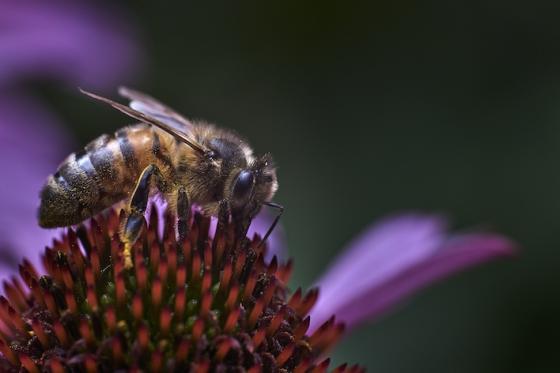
187,162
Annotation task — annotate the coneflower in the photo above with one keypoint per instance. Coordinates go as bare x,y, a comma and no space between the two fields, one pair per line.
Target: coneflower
211,303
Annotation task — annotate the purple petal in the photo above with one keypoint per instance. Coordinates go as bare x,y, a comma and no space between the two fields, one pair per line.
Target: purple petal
379,253
72,41
32,146
401,256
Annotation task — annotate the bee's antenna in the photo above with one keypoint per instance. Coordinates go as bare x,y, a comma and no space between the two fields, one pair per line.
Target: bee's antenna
280,209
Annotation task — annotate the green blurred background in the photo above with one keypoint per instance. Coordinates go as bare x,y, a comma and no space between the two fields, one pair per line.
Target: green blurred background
372,107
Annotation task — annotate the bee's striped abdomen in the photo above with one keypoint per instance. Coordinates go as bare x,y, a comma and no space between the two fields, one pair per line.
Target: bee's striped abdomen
102,174
126,148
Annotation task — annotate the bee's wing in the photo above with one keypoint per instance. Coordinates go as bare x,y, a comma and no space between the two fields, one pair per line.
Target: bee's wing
150,106
177,127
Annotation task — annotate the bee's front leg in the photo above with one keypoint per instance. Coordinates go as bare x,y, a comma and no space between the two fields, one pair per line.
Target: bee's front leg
137,207
223,215
241,223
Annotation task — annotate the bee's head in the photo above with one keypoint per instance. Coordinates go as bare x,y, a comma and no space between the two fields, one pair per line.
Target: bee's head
252,186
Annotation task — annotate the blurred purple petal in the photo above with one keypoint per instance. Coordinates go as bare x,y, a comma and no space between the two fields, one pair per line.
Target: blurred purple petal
394,259
32,146
71,41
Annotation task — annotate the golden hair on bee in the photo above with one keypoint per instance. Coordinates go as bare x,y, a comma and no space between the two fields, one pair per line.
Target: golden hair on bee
187,162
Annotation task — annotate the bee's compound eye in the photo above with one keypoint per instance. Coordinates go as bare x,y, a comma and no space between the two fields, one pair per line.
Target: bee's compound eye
243,186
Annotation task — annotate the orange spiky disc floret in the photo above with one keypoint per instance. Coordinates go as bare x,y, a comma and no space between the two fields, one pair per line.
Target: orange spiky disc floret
211,303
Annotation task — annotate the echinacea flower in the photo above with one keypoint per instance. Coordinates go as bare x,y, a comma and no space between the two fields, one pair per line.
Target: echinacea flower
89,313
209,303
70,42
206,305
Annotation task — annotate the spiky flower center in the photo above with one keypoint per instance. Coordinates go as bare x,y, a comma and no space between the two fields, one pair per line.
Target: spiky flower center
211,303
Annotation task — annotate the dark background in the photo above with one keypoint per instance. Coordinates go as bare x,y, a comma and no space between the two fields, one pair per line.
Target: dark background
372,107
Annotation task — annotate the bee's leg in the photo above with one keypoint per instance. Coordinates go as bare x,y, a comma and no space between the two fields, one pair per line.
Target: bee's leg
135,219
183,213
241,227
223,215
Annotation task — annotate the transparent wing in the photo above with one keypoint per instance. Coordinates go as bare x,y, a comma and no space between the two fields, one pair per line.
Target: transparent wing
150,106
181,133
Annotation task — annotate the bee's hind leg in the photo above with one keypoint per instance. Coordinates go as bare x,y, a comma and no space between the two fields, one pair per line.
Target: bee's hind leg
137,207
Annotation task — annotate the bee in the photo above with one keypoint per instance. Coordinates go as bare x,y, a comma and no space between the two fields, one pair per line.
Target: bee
187,162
